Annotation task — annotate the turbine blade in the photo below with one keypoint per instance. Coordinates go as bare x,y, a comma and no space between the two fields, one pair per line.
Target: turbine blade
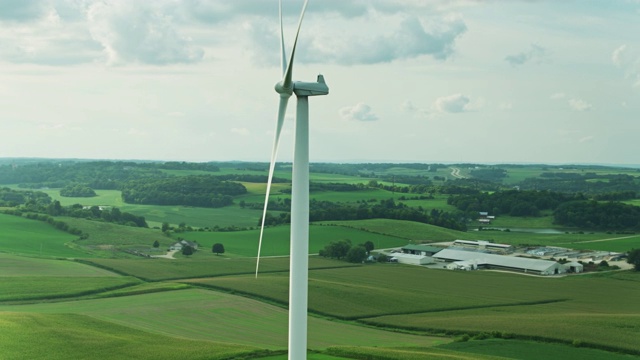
283,56
284,99
286,81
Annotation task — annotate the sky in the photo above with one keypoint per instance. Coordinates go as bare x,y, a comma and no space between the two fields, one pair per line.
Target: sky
428,81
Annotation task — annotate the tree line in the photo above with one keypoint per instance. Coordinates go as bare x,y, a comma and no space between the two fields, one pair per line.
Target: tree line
385,209
511,202
199,190
595,215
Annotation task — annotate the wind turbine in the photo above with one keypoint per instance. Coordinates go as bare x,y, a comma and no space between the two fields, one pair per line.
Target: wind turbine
299,241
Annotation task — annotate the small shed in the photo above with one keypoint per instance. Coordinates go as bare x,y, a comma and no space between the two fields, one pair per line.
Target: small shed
573,267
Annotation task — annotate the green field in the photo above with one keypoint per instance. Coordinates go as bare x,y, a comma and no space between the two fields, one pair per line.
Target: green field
528,350
12,265
276,239
206,315
72,336
407,297
31,237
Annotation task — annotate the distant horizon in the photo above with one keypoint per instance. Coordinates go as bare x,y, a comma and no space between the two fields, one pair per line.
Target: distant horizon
328,162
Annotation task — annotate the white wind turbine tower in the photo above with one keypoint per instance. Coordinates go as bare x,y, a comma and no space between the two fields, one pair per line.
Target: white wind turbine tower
299,253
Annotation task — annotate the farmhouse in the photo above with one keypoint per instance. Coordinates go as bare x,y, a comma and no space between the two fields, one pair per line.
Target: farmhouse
481,245
182,243
465,259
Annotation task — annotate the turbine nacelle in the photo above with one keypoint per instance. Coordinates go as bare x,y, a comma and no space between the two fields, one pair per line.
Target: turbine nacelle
311,88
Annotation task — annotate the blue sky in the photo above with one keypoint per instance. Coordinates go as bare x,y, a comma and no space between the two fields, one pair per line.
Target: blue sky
410,80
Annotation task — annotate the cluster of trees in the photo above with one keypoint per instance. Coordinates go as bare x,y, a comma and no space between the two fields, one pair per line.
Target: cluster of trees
343,249
598,216
588,183
511,202
201,190
633,258
12,198
489,174
77,190
385,209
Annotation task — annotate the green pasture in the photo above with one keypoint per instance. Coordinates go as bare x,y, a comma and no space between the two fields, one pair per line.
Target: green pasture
71,336
12,265
408,230
529,350
614,242
18,288
398,296
196,217
104,236
31,237
276,239
539,222
199,314
164,269
104,198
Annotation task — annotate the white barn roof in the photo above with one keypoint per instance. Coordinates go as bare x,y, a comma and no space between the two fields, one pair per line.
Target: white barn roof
497,260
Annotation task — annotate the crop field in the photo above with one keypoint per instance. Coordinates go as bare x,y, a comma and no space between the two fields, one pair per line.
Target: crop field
199,314
32,237
163,269
438,301
529,350
18,288
11,265
72,336
404,229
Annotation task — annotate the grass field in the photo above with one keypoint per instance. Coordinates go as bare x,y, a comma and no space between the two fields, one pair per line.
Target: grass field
276,239
32,237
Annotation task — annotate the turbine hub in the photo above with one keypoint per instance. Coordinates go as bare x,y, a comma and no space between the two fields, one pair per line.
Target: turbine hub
282,89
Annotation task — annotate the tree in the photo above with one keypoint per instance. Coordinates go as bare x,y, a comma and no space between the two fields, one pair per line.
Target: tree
217,249
356,254
165,226
187,250
156,244
368,245
634,259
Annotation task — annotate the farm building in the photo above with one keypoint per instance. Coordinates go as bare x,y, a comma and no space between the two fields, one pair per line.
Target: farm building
484,245
574,267
412,259
180,244
493,261
426,250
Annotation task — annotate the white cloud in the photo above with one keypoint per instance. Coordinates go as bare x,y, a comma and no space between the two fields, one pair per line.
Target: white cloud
629,62
558,96
579,105
133,31
455,103
358,112
586,139
535,54
241,131
412,38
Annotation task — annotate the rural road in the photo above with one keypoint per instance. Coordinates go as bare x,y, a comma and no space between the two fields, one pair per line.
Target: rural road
455,172
168,255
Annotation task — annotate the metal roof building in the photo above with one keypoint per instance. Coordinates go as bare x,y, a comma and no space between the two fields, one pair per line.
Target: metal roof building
492,261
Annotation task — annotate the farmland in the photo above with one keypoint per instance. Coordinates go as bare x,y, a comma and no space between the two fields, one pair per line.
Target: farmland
212,306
